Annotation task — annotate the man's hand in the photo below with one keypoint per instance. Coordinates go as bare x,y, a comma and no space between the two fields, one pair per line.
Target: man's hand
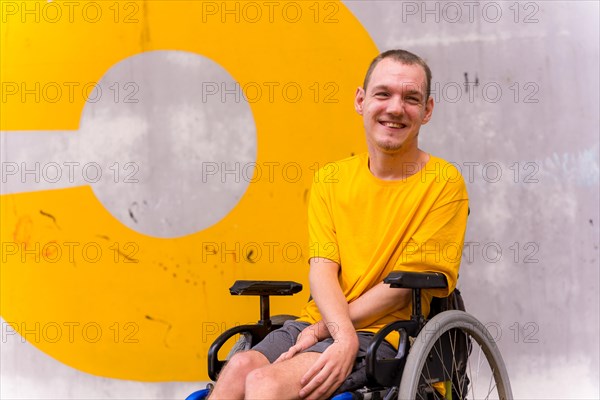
331,369
335,364
309,336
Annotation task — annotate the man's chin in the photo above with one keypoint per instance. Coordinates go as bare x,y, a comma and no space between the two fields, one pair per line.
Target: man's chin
389,147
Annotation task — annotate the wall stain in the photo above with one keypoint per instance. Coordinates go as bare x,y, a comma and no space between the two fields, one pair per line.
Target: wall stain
131,212
467,83
212,250
22,232
52,217
127,257
169,326
145,35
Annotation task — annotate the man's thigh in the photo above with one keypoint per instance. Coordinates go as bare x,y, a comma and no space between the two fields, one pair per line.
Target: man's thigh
280,380
280,340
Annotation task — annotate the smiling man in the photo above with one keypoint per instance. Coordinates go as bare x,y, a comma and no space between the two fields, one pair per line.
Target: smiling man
395,207
394,103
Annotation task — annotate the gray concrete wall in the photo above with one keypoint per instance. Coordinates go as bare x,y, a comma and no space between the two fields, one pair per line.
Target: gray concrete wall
527,140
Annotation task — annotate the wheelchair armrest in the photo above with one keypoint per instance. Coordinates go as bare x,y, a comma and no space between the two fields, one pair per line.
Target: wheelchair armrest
258,331
416,280
265,288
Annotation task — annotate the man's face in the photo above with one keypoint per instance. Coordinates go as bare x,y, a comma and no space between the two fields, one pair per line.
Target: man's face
394,106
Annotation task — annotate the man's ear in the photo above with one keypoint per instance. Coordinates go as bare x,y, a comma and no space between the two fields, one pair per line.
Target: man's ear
359,99
428,110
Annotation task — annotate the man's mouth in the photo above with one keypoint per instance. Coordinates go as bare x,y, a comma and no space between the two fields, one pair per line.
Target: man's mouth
396,125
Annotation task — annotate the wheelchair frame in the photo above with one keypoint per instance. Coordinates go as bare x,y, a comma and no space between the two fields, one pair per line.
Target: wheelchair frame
422,367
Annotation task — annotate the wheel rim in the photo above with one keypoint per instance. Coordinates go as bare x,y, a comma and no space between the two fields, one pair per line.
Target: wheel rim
454,357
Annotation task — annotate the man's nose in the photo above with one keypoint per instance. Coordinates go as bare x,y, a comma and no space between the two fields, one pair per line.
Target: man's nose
395,106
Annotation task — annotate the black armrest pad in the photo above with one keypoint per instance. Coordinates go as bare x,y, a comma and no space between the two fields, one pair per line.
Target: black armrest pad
269,288
416,280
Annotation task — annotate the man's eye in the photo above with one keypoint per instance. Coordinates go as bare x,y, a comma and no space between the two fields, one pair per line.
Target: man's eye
413,100
381,94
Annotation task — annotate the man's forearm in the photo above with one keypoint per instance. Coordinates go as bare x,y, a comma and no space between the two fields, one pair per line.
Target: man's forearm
330,300
319,330
376,303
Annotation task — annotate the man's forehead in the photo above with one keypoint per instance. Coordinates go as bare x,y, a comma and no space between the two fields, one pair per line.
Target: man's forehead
389,72
389,67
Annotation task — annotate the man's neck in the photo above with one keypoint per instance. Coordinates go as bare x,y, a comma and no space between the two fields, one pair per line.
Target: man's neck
396,166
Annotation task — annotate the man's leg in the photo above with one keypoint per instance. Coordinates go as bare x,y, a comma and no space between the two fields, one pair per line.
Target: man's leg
281,380
232,379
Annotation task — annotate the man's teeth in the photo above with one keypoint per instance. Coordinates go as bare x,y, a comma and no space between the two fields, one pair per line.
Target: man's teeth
392,124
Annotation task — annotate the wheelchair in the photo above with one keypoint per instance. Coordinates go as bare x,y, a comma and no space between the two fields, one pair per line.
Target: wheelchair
448,356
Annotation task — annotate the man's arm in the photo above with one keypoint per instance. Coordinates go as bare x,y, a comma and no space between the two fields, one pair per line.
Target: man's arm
328,296
335,364
377,302
341,320
374,304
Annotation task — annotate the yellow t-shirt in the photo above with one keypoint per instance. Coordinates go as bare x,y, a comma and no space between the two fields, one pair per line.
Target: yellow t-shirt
371,227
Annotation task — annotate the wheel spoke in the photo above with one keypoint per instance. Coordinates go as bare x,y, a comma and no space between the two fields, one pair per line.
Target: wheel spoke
457,350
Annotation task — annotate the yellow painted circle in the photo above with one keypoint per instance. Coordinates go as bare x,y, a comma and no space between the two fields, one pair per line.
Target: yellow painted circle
154,319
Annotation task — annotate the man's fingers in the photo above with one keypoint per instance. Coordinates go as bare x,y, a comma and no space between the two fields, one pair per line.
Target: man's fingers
322,378
314,370
314,383
281,358
288,354
322,385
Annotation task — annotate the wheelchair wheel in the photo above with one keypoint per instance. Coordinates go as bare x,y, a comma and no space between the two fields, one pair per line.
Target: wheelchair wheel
454,357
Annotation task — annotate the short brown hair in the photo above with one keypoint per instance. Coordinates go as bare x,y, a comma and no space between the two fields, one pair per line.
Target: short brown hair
404,57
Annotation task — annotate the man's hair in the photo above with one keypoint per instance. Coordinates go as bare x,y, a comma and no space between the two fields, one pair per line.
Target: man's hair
404,57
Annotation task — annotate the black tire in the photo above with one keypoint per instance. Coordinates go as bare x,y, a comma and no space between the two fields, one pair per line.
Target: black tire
473,366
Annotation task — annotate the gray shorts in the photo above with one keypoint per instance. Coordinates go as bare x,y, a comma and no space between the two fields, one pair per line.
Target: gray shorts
280,340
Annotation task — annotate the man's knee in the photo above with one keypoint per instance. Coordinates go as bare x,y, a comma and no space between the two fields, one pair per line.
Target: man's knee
263,379
247,361
232,380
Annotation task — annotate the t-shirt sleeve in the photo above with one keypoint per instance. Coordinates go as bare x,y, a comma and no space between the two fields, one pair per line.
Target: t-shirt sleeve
436,246
321,227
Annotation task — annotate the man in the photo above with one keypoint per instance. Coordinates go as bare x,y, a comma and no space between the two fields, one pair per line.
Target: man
393,208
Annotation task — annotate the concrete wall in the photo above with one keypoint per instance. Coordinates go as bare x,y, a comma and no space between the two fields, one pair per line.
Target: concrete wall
517,99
